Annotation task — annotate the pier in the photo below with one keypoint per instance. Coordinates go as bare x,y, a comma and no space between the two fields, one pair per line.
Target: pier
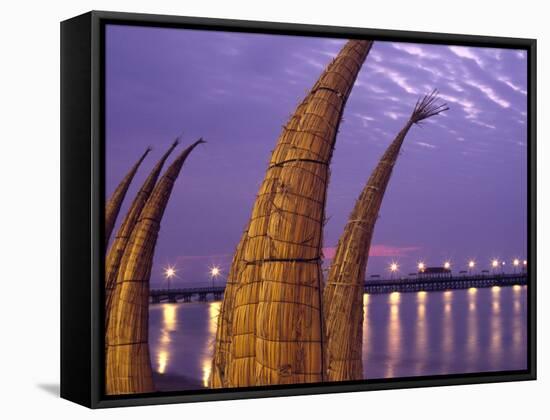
372,286
201,294
441,283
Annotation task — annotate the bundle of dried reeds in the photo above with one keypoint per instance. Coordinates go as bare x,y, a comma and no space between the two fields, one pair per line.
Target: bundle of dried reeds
118,246
277,332
128,365
343,296
221,359
240,369
112,207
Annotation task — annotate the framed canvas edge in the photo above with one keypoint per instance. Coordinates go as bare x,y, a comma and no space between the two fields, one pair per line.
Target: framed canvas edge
76,338
97,398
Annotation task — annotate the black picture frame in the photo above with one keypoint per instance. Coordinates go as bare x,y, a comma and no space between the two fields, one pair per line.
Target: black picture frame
82,203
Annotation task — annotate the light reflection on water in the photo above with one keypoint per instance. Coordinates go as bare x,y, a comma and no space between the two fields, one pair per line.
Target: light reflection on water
448,331
421,330
367,336
169,316
393,334
496,328
472,329
404,334
206,362
518,339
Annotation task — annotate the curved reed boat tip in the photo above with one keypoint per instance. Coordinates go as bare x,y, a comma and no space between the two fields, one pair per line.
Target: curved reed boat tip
112,207
427,107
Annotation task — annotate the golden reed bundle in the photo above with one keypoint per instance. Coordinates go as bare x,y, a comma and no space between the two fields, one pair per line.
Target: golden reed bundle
240,370
343,296
128,365
277,332
114,256
221,359
112,207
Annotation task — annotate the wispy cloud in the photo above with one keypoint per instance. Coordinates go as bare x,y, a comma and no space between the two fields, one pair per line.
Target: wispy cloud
392,115
469,107
426,145
307,59
434,71
484,124
512,85
396,77
465,52
489,93
376,89
495,53
414,49
364,117
375,56
456,87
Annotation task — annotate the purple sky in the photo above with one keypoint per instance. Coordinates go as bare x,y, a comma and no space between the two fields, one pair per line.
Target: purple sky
459,189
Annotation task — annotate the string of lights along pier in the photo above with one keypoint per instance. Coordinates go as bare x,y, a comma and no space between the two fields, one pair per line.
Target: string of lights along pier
494,265
426,278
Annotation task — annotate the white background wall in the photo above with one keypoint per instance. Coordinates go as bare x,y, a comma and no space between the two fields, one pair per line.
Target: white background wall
29,208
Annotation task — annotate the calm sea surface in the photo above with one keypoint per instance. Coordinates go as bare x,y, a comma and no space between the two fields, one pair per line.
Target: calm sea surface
404,334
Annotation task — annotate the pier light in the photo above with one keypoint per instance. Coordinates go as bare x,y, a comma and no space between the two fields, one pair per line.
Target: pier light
421,266
447,265
394,267
471,264
494,263
215,271
524,262
515,262
169,272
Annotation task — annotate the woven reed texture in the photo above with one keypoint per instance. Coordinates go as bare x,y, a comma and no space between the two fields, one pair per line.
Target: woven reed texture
128,365
343,295
277,328
221,359
112,207
118,246
240,370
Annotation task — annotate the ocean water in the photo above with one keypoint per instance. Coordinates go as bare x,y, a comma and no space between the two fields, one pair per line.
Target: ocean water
404,335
